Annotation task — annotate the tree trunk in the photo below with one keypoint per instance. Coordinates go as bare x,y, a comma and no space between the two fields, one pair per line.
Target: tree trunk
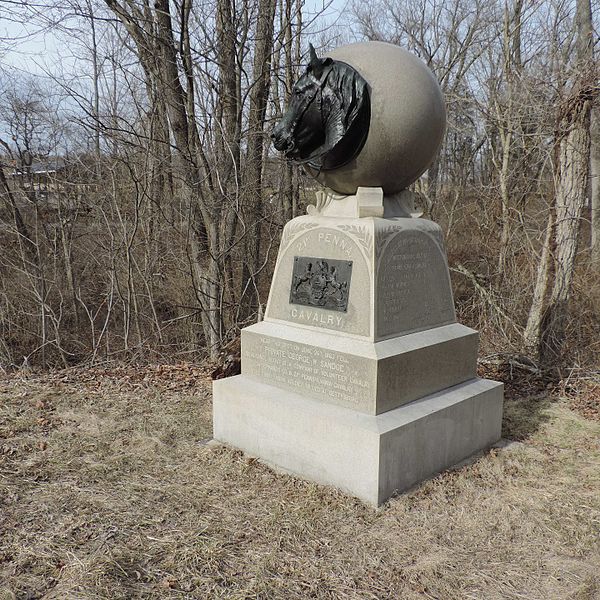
288,199
595,187
158,55
531,335
505,193
570,199
433,174
509,125
571,193
253,188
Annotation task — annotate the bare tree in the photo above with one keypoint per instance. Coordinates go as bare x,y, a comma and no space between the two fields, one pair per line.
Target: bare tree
595,186
572,172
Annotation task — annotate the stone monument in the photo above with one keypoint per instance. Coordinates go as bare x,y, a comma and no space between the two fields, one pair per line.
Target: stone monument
359,376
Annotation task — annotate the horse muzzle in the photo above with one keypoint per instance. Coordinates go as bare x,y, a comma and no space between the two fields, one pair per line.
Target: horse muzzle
283,141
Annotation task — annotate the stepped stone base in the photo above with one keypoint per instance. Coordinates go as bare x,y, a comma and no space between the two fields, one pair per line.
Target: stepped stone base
359,376
369,456
365,376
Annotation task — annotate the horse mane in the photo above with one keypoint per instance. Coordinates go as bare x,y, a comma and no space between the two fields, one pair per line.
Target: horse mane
350,88
347,122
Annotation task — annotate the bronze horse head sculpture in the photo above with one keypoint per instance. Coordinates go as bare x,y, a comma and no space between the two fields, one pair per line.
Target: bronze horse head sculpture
327,121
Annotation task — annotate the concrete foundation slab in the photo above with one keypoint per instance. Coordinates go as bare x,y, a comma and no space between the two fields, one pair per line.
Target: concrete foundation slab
369,456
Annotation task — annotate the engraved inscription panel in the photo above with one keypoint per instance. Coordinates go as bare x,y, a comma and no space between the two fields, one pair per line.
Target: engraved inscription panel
336,247
334,377
414,290
321,282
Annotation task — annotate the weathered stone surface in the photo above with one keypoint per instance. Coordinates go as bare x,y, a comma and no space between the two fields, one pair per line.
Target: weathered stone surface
400,282
317,237
368,377
371,392
408,120
316,364
413,285
368,456
367,202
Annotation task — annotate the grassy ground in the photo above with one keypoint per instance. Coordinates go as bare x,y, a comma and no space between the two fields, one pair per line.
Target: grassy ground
108,490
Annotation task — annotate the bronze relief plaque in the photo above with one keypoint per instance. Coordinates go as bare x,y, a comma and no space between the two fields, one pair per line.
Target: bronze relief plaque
321,282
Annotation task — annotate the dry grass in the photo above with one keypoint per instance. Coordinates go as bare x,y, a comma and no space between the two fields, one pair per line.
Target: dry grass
108,491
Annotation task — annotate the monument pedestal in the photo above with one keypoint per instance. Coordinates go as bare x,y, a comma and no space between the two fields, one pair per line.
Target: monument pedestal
368,456
359,376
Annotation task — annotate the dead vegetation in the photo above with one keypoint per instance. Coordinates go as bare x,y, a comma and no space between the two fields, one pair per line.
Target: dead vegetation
108,490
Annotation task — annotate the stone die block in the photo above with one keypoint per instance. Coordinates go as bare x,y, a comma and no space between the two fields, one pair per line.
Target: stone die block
367,377
369,456
399,276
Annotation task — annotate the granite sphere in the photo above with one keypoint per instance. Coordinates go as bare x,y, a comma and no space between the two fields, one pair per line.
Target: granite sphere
408,120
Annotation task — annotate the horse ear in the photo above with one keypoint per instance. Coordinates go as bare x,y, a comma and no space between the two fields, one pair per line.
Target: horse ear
316,64
315,61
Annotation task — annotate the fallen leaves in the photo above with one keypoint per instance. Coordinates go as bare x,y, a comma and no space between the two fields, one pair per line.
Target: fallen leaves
130,501
584,398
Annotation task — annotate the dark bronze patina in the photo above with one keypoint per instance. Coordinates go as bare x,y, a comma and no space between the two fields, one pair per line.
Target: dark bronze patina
327,121
322,282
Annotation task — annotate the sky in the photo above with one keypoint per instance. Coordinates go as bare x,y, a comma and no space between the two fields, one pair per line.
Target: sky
28,49
45,55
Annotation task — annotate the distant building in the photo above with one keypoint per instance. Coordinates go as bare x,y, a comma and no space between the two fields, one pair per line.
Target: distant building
48,182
